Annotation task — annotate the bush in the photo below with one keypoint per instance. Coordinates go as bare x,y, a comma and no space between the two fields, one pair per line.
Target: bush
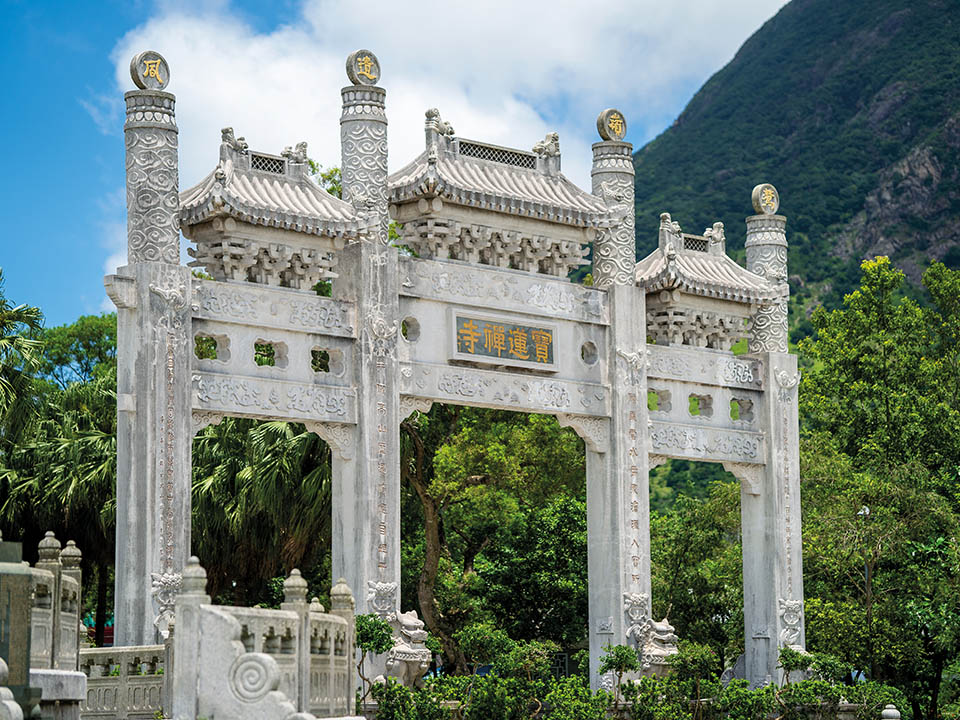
571,699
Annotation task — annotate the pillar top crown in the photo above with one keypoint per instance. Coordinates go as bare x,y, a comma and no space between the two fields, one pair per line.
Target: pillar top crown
363,68
612,125
149,70
766,199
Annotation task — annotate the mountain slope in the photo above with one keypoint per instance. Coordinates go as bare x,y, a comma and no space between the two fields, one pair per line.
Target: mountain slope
852,109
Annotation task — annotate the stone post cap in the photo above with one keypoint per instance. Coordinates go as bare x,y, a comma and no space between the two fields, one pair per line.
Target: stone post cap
295,588
71,556
363,68
49,548
890,712
765,199
149,70
315,606
194,577
612,125
341,597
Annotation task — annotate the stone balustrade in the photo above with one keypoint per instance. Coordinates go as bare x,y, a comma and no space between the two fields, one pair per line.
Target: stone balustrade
124,683
55,614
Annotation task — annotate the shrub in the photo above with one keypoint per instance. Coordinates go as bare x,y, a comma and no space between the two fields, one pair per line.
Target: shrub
571,699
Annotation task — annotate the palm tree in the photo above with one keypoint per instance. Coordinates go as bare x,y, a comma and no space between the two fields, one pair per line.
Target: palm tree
62,476
20,356
261,503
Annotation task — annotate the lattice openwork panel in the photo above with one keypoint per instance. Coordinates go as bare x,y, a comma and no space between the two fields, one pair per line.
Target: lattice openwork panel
268,164
499,155
695,243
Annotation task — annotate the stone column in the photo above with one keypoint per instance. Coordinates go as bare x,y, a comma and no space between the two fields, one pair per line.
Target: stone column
766,247
614,249
366,486
618,498
154,433
770,508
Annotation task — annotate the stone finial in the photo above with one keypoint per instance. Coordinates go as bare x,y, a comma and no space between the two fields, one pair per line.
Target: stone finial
295,588
890,712
341,597
315,606
49,548
549,146
194,578
71,556
766,199
363,68
612,125
149,71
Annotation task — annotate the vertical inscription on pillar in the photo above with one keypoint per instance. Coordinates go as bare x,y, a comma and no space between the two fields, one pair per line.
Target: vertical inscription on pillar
630,368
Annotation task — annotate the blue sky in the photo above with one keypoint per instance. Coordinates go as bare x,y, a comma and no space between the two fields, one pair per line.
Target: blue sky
499,71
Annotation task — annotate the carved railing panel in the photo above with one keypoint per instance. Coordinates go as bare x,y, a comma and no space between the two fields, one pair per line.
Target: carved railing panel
123,683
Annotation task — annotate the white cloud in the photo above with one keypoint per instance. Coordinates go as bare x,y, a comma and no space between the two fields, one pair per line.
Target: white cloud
500,70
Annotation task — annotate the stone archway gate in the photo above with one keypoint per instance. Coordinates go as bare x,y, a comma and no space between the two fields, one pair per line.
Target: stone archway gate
639,365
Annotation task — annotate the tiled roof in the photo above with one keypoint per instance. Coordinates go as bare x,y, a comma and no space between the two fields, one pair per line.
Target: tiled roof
498,186
278,193
710,273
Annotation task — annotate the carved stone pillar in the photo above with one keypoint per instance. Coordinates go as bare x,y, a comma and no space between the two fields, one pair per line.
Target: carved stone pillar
154,432
766,247
150,136
614,249
770,522
366,489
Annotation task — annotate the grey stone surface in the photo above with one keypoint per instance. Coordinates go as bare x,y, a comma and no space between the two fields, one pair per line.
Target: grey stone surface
60,685
484,316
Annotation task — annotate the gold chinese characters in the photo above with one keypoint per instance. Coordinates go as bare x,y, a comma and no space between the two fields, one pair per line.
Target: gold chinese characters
504,340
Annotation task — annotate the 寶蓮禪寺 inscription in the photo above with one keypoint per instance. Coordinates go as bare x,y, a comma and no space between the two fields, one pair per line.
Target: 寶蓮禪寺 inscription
504,343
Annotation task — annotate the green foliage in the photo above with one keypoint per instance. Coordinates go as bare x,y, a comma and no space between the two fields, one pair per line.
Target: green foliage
20,356
72,353
620,660
374,634
527,659
846,94
571,699
330,179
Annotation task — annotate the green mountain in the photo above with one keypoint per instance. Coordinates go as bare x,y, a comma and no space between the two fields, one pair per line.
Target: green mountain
852,109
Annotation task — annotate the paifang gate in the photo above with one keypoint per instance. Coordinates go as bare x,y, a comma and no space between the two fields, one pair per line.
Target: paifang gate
640,364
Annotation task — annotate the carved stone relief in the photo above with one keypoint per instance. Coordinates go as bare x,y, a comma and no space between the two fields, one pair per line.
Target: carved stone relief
791,623
595,431
749,475
704,442
150,135
339,436
444,281
271,398
410,404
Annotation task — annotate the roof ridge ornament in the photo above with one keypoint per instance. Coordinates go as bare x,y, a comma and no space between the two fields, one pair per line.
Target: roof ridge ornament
549,146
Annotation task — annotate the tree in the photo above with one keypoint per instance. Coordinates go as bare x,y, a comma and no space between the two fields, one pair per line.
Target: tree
20,355
881,509
261,505
71,353
471,471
